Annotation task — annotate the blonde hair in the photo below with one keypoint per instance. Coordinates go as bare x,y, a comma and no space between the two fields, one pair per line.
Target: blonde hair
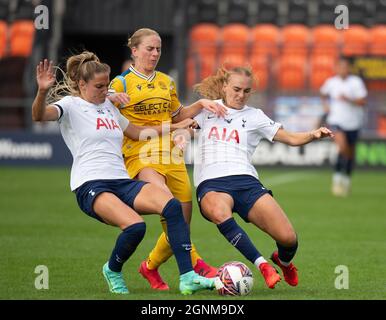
137,37
212,86
82,66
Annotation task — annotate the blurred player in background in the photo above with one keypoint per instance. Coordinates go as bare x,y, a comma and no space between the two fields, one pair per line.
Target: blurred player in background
344,97
154,100
93,130
226,180
127,64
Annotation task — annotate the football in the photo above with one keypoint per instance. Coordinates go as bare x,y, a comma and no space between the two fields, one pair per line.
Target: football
234,279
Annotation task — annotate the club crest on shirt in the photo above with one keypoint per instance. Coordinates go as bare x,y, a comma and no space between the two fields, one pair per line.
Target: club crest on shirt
162,85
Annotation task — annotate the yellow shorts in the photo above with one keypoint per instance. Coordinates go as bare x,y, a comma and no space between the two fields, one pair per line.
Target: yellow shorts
176,176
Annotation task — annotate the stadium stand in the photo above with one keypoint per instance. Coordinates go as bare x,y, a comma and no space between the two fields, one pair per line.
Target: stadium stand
21,38
355,40
378,40
326,40
203,51
268,11
234,42
237,11
259,64
321,67
3,38
265,40
295,39
291,72
358,11
206,11
326,11
379,12
297,11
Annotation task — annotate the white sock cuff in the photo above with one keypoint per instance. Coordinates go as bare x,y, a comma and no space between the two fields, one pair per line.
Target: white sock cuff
259,261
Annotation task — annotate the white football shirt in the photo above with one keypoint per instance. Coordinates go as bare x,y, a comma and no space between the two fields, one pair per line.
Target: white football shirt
346,115
94,135
225,145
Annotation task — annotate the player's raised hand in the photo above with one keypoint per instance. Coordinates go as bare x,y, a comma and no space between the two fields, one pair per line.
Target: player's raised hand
322,132
214,107
119,97
45,75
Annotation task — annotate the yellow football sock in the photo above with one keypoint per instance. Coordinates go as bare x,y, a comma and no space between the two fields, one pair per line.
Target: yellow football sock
194,255
162,251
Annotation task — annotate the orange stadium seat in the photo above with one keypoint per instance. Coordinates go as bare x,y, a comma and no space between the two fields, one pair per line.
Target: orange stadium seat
325,40
295,39
265,40
355,40
21,38
196,70
3,38
381,128
203,39
321,68
235,40
232,60
259,64
202,54
291,73
378,40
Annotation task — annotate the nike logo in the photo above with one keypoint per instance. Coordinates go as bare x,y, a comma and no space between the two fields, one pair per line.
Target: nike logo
236,239
211,117
187,247
92,193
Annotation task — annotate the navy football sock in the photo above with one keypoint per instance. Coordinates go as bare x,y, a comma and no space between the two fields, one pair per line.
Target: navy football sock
349,166
239,239
125,245
286,254
178,235
340,163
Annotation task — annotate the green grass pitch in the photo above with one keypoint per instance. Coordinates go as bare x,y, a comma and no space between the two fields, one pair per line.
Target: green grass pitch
41,225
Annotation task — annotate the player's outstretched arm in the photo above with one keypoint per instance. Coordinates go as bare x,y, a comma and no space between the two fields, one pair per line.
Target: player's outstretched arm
196,107
135,132
301,138
45,78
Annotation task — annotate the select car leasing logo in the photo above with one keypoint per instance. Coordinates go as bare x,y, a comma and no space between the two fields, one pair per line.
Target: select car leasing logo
25,150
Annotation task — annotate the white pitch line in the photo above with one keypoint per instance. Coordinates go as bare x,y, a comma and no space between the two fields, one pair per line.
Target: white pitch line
287,178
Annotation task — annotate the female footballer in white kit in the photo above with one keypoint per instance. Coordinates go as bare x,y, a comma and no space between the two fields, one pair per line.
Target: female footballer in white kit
226,180
344,96
93,130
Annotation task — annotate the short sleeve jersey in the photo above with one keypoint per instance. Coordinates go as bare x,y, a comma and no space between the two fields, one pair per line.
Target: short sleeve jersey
94,135
346,115
153,100
225,145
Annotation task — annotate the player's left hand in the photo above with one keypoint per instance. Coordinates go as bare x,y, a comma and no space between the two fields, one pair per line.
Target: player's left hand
322,132
214,107
119,97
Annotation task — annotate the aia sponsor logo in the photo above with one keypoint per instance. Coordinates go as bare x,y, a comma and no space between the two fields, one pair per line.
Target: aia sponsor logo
109,124
223,135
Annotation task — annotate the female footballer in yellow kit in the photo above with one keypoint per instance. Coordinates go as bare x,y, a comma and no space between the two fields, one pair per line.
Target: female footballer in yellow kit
152,100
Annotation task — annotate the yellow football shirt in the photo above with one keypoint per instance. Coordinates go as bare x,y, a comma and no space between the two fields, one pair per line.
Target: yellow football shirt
153,100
